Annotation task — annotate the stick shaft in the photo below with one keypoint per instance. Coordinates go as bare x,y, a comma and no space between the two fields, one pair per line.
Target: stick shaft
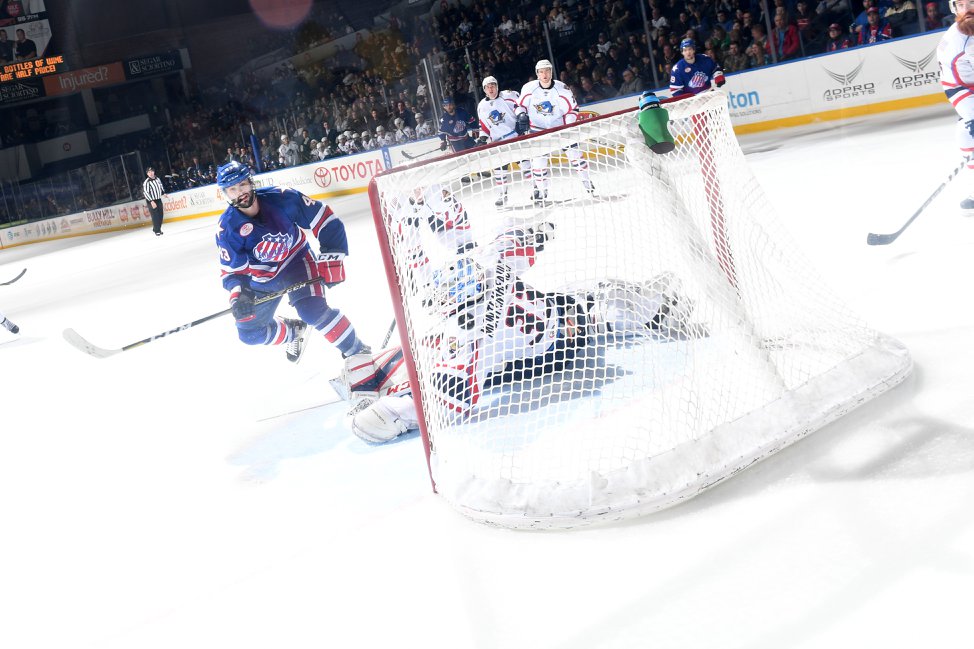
884,239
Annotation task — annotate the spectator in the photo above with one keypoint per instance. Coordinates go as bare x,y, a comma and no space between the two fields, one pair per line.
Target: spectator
877,30
837,39
328,132
755,56
834,11
784,39
932,18
902,17
809,29
735,60
631,83
863,18
589,94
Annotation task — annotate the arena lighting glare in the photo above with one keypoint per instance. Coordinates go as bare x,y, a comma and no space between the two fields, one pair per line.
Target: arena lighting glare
281,15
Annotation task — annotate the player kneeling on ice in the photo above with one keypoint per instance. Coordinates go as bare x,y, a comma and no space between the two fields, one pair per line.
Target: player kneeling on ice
264,249
499,329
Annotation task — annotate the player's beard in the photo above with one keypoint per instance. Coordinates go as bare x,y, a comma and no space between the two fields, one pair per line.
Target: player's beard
244,200
965,23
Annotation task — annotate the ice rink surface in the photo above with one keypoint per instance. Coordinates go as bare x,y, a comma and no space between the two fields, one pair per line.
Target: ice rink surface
195,492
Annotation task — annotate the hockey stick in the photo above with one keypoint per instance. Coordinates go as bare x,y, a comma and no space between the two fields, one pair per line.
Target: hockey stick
420,155
78,341
15,278
385,341
884,239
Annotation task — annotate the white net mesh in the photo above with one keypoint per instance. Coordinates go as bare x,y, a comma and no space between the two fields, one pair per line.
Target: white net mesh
606,354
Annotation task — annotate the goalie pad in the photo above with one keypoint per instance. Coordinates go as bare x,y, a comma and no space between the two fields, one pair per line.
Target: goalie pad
633,308
385,419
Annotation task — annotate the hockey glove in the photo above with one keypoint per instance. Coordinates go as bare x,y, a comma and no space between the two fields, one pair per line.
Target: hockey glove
719,79
523,124
331,267
442,145
242,303
482,139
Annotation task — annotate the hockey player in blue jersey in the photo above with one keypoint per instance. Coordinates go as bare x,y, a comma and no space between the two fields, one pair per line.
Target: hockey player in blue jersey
264,248
694,72
455,126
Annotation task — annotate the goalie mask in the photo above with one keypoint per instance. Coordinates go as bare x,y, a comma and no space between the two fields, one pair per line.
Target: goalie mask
457,286
236,179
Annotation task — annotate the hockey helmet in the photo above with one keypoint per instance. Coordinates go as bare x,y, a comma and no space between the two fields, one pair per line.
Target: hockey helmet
460,284
419,117
232,173
380,129
448,101
366,135
688,42
543,64
488,80
399,122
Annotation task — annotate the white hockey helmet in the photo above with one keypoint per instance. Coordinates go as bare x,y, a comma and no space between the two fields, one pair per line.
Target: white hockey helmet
488,80
399,122
543,64
419,117
366,134
952,5
380,129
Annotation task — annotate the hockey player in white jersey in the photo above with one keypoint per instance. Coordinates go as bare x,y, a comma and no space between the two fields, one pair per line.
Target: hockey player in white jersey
497,113
498,329
549,103
956,55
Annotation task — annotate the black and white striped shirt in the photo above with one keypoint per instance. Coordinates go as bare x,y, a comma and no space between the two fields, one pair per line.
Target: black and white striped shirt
152,189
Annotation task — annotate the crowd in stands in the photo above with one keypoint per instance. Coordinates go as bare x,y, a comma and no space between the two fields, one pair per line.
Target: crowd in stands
373,95
601,48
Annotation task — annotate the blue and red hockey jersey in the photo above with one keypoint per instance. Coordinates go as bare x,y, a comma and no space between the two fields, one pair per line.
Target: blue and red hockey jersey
257,249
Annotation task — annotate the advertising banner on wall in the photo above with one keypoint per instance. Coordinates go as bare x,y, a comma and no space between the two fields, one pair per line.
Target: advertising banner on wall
152,65
109,74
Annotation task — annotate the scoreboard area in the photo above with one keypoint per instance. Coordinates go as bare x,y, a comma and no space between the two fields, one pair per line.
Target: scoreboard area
31,69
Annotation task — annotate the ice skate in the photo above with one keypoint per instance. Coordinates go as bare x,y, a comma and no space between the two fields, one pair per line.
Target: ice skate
540,196
589,186
9,326
967,206
501,201
295,348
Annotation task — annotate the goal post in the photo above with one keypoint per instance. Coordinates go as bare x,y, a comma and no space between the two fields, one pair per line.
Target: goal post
679,334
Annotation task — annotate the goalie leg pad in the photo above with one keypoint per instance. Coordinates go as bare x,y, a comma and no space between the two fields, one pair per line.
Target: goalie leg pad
385,420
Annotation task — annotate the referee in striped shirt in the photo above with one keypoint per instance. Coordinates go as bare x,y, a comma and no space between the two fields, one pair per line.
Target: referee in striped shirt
153,191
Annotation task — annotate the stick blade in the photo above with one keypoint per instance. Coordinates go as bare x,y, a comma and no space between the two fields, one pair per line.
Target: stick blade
77,341
15,278
880,239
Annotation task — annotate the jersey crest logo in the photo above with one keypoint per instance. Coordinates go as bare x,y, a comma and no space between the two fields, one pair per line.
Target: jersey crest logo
495,117
246,229
273,247
545,107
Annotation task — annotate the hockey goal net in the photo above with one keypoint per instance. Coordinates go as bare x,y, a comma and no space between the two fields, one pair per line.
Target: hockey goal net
615,421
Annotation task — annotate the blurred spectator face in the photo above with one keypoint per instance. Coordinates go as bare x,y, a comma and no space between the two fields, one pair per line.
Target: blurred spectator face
779,21
627,76
734,49
872,17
